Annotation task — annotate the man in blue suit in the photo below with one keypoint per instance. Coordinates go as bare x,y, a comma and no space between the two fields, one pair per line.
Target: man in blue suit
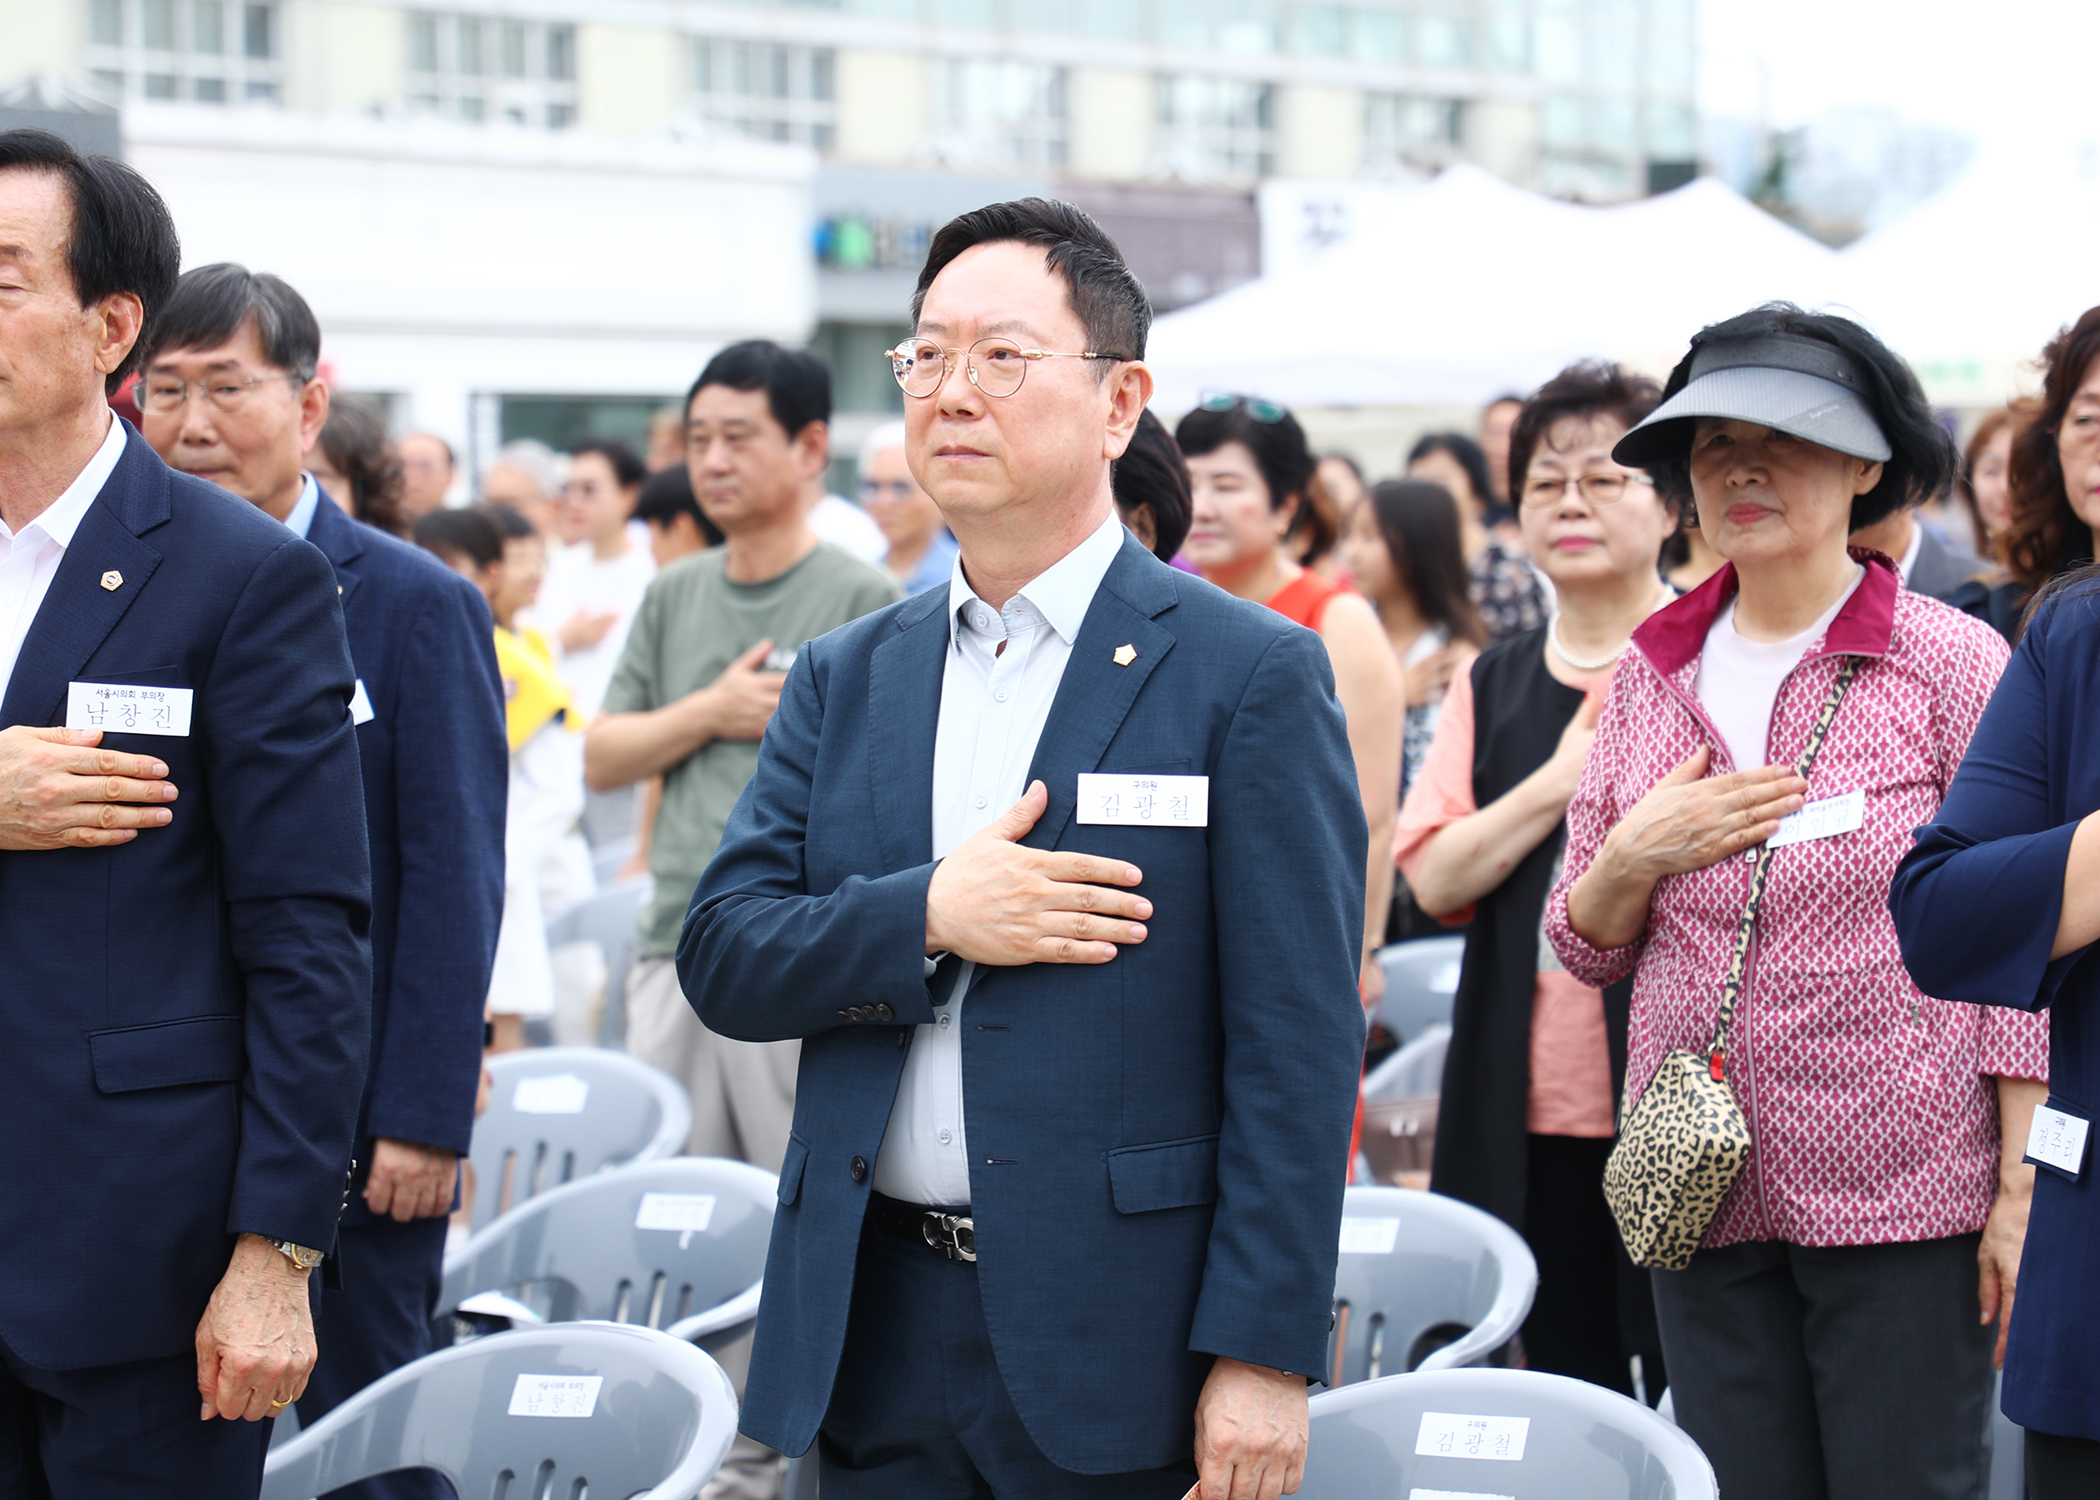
1060,1207
185,972
230,395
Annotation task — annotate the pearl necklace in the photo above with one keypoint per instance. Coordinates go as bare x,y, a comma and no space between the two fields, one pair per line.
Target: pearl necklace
1561,651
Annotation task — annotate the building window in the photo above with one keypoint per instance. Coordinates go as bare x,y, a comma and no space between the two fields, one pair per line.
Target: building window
1008,113
760,89
1217,127
204,51
484,68
1406,130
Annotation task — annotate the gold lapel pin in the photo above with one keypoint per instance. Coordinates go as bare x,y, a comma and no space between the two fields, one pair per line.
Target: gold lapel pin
113,580
1125,655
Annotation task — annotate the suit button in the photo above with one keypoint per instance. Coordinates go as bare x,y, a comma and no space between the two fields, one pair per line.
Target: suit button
859,1169
884,1013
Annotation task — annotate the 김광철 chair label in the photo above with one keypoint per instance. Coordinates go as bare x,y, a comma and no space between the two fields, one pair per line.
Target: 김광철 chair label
1445,1434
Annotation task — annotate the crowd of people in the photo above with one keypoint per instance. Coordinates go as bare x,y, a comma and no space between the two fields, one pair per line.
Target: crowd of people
1734,721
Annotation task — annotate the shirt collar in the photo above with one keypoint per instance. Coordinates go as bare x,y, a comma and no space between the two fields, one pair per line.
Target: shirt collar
1676,633
63,516
1061,593
301,520
1908,562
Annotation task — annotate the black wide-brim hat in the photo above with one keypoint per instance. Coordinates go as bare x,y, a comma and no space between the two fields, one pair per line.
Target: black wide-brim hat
1784,381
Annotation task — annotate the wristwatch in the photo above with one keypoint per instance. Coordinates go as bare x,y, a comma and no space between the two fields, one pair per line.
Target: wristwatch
299,1255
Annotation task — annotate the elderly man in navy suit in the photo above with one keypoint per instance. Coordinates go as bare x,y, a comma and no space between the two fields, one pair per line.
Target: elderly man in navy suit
1058,874
185,895
229,394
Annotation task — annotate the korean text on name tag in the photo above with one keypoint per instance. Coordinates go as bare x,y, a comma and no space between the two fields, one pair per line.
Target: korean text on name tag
1821,820
1445,1434
2057,1140
1144,801
125,708
555,1395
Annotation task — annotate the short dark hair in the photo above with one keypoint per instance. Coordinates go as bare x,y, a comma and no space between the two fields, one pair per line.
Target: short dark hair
510,523
465,533
354,441
213,303
1589,388
797,383
628,469
1418,521
1103,293
1285,459
1464,452
668,494
1153,472
122,237
1921,461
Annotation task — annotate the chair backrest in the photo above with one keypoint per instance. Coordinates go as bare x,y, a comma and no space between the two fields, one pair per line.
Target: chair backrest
610,918
1417,1069
678,1244
560,1113
570,1410
1423,1282
1512,1433
1421,980
607,860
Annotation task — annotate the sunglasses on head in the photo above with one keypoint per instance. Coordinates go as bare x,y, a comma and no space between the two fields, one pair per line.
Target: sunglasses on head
1254,406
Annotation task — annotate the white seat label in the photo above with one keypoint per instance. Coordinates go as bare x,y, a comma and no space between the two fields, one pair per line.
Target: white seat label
688,1211
2057,1140
122,708
1821,820
1144,801
551,1094
1446,1434
555,1395
1362,1236
1421,1494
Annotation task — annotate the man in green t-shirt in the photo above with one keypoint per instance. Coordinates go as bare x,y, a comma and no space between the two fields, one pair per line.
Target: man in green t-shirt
694,690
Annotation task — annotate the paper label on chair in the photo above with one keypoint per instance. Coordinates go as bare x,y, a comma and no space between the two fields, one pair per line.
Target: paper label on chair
688,1211
1364,1236
551,1094
555,1395
1421,1494
1445,1434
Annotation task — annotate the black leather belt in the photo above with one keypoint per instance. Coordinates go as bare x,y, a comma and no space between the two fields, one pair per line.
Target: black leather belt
946,1232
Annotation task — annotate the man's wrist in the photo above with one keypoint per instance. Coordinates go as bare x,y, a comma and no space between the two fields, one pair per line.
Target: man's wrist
278,1254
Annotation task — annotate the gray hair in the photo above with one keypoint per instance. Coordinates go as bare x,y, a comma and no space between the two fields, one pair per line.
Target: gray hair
535,460
887,435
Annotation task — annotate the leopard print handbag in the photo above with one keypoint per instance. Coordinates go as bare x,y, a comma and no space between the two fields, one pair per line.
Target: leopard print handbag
1684,1141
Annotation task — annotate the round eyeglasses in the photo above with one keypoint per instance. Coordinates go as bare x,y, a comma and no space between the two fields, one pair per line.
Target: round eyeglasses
1600,488
164,397
995,366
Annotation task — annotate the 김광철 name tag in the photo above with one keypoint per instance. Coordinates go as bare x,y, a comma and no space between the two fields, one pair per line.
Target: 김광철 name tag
2057,1141
124,708
1447,1434
1821,820
1143,801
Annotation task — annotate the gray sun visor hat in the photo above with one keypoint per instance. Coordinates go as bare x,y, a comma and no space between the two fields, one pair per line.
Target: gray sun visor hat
1789,383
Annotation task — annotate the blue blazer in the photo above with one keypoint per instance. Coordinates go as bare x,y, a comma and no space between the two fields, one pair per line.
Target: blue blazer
436,770
183,1018
1159,1142
1976,904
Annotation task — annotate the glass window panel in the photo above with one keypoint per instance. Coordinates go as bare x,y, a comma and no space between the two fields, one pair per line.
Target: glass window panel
1380,36
106,23
471,108
888,10
111,80
422,42
703,65
1614,125
260,92
1670,65
1323,30
467,57
561,53
1613,58
822,83
208,27
512,37
160,85
1672,132
211,90
259,35
1442,42
1184,23
560,116
739,69
777,72
1115,20
975,13
1566,121
157,23
1509,44
1559,49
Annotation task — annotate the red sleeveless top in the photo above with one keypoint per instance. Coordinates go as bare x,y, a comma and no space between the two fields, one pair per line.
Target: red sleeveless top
1305,598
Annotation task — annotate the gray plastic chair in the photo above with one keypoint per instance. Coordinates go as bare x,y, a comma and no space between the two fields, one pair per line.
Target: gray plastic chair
612,919
1578,1441
1421,980
584,1109
1415,1070
1423,1282
2008,1449
678,1244
1402,1097
660,1417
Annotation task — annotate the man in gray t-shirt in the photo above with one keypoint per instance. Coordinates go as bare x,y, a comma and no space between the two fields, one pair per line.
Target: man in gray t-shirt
695,688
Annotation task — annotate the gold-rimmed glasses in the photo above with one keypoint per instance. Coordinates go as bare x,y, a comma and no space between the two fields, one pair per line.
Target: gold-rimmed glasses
995,366
1600,487
164,396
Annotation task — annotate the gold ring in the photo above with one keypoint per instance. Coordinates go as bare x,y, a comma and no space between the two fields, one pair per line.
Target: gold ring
280,1403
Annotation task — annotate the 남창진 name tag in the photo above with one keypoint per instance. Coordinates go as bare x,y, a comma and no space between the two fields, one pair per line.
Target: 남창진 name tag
2057,1141
124,708
1143,801
1821,820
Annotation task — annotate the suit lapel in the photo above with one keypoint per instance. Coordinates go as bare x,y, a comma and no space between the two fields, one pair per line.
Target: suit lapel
337,537
78,612
904,710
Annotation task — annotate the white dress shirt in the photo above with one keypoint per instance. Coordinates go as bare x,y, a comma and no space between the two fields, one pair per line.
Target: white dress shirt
1001,678
301,520
30,557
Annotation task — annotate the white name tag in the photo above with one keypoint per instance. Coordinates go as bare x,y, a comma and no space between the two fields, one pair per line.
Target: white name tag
121,708
1369,1236
1145,801
551,1094
1422,1494
688,1211
1821,820
555,1395
1445,1434
2057,1140
360,705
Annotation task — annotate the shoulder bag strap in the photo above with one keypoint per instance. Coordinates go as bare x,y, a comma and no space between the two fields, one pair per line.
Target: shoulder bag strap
1738,961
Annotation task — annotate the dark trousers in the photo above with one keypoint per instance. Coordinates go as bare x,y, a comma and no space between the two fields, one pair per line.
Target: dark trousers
1854,1372
919,1408
1593,1310
121,1432
2062,1468
376,1322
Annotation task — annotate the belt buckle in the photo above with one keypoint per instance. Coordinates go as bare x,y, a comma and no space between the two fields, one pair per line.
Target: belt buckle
951,1235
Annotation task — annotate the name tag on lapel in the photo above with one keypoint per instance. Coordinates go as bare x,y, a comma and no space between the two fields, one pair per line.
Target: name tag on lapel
121,708
1144,801
360,705
2057,1141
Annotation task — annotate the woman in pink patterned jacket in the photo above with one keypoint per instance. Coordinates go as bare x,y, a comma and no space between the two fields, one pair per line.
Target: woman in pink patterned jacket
1828,1338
